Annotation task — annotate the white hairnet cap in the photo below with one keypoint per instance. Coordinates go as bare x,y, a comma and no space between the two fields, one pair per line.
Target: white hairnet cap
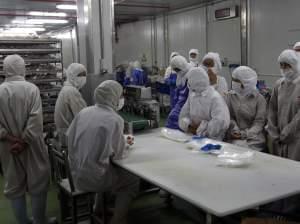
14,65
173,54
73,71
290,57
297,46
198,79
247,76
136,64
216,58
180,63
194,51
108,93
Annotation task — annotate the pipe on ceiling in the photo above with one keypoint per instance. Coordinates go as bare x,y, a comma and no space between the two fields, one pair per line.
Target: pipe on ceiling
142,6
54,1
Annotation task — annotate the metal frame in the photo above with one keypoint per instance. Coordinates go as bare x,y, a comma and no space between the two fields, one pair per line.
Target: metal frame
244,17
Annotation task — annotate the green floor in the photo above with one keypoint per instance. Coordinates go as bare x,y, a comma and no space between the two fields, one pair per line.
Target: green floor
146,209
6,215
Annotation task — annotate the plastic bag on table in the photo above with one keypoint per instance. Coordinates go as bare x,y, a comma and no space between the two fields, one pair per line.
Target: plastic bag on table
204,145
175,135
236,159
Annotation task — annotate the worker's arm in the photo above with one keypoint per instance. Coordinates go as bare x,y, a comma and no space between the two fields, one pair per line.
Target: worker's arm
3,132
272,126
184,117
119,143
34,125
291,129
76,102
217,126
259,121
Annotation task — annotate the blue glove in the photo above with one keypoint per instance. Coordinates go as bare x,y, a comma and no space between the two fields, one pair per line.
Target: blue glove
210,147
196,137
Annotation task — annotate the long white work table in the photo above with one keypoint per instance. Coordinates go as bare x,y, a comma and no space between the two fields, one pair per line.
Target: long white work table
196,178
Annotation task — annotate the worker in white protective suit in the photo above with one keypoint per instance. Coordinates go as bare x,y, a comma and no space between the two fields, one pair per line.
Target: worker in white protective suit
297,47
169,70
23,154
205,113
213,64
284,114
70,101
95,138
248,110
283,119
194,57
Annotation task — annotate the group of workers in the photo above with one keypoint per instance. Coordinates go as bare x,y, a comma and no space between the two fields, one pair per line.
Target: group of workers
135,74
202,105
95,137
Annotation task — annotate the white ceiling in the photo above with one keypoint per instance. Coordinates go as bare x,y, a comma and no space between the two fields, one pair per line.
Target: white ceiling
133,10
17,9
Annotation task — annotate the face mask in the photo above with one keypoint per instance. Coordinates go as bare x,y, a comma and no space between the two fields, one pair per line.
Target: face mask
80,82
214,70
236,87
121,104
288,74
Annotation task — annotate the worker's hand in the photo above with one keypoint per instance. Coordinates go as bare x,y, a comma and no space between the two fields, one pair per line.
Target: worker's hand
236,136
129,139
13,140
212,77
193,129
17,148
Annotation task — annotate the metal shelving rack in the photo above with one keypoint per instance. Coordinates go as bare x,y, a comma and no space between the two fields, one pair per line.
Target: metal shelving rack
43,58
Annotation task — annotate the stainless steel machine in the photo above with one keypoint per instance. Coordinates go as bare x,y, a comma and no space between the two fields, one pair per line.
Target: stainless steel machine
140,110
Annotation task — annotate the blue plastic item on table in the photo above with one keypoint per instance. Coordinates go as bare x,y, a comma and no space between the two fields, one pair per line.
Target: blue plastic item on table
211,147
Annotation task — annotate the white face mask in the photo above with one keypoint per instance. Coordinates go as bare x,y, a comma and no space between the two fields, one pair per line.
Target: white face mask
121,104
80,82
288,74
214,70
236,87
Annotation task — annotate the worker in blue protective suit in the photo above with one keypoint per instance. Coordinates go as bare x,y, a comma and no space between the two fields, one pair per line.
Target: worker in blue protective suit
170,80
128,74
120,74
138,76
180,65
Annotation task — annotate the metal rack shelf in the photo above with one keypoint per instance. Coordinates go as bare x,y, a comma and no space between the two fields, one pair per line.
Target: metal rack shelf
29,41
38,61
43,81
53,90
30,51
39,55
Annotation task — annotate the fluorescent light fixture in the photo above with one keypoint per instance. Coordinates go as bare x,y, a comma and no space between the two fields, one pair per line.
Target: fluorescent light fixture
17,31
40,21
56,14
67,7
23,25
16,34
24,30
